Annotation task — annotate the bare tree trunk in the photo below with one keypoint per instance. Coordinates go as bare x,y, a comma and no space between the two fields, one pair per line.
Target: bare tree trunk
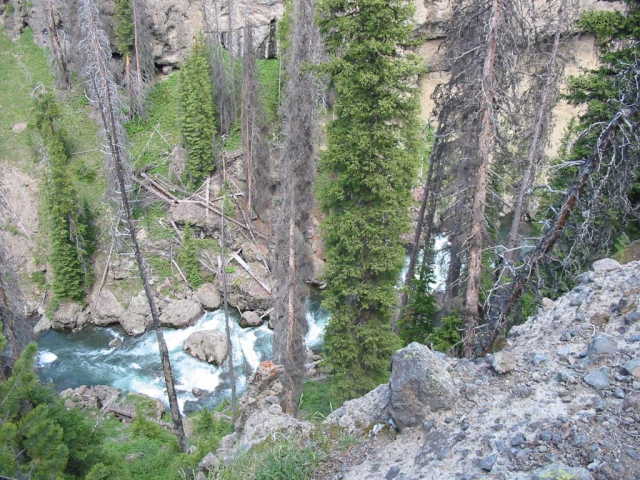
487,141
292,262
225,292
58,49
535,149
103,90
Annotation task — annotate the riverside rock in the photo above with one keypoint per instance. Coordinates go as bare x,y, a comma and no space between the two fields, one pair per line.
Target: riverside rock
180,313
207,345
420,384
250,319
208,296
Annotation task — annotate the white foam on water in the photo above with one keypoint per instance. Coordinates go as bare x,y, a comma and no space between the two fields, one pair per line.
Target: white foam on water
45,358
136,366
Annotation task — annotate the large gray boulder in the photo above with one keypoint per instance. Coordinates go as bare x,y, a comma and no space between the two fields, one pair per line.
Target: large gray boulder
250,319
208,296
420,384
207,345
68,316
106,308
181,313
139,304
360,414
135,324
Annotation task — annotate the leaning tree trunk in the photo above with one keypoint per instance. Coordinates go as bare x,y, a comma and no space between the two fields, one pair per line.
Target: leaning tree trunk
486,143
104,92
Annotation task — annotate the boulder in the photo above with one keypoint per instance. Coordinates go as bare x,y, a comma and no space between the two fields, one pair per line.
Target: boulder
181,313
503,362
420,384
605,265
244,292
106,308
207,345
134,324
208,296
68,316
358,415
598,378
632,367
43,325
602,345
250,319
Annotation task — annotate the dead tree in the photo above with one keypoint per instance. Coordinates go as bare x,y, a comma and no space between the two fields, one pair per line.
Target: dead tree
292,260
103,92
137,77
225,291
255,133
58,46
542,104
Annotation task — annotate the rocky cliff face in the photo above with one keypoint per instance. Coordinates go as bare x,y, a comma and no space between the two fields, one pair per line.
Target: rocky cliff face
560,401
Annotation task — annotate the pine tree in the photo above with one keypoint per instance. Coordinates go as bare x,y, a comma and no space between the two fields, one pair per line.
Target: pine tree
124,29
368,171
61,204
418,321
198,117
188,258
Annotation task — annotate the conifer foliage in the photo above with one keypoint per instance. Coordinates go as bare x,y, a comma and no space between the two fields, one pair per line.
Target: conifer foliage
188,258
198,114
66,229
367,172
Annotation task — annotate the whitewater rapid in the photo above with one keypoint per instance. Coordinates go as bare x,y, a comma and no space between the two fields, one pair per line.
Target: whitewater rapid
105,356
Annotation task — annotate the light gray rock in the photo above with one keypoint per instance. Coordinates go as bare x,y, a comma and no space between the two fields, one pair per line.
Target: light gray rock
105,308
602,345
19,127
503,362
632,367
250,319
207,345
420,384
134,324
68,316
605,265
360,414
43,325
560,471
208,296
488,462
598,378
181,313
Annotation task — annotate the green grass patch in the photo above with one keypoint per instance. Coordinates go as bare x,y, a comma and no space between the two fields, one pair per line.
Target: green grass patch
269,77
153,138
317,399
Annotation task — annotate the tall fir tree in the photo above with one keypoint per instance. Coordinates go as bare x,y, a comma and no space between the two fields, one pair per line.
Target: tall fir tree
124,28
367,174
198,117
61,203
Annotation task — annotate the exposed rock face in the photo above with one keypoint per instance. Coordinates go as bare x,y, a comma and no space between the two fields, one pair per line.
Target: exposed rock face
260,417
69,316
208,296
420,385
110,399
180,313
360,414
567,410
208,346
105,308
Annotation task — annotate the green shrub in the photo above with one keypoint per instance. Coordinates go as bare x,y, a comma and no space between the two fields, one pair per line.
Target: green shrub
188,258
317,399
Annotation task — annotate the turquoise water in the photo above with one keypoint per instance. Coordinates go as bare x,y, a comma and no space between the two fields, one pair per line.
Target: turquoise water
106,356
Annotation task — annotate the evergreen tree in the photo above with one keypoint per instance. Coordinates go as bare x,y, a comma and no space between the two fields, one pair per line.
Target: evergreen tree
188,258
124,28
419,320
61,204
367,171
197,114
